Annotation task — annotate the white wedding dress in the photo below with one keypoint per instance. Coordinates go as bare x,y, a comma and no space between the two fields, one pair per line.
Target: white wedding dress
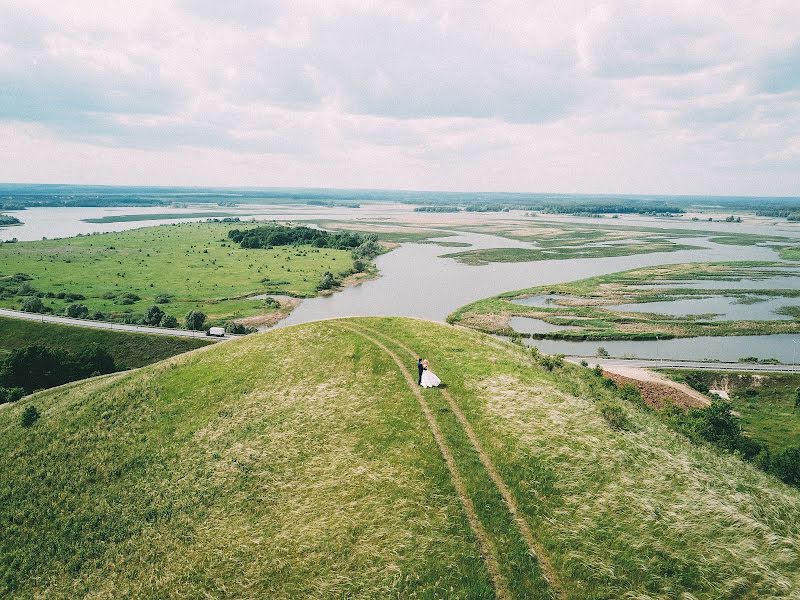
429,379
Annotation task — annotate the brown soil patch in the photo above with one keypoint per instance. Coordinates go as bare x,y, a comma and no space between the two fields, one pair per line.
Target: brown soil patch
269,319
656,390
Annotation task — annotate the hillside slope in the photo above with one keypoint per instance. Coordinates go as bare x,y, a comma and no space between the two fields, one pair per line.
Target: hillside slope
305,462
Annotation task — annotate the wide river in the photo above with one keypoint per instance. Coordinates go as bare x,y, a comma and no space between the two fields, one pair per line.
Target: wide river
417,282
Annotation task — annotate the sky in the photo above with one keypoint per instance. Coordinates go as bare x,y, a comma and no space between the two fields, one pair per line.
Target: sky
666,97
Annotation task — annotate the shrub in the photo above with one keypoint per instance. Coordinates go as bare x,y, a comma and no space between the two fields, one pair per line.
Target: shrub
153,316
602,352
126,298
615,416
786,465
170,322
29,416
77,311
270,302
238,328
73,297
10,394
584,363
327,281
195,320
551,361
598,370
32,304
163,299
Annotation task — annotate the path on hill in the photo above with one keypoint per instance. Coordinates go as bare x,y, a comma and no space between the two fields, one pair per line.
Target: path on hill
18,314
487,549
534,548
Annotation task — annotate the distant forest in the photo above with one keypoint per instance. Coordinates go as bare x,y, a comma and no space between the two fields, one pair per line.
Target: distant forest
20,196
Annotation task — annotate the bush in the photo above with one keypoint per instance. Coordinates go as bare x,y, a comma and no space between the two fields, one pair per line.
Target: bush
10,394
615,416
270,302
327,281
786,465
29,416
552,361
170,322
239,329
126,298
359,266
195,320
163,299
32,304
39,367
153,316
77,311
602,352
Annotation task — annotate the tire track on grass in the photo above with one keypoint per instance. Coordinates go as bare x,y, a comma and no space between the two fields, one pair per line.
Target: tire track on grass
486,547
536,550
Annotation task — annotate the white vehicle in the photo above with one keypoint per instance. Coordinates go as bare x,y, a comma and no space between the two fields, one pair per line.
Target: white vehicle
216,331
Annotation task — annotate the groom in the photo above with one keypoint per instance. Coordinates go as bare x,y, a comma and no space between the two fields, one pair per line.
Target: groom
419,369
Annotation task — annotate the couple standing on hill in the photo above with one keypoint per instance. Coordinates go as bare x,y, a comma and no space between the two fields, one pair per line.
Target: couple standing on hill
427,378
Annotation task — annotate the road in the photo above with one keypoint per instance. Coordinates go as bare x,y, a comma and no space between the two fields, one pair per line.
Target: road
645,363
16,314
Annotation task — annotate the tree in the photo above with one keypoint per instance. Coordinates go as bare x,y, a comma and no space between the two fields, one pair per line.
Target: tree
92,360
195,320
797,398
11,394
153,316
602,352
327,282
169,322
32,304
786,465
77,311
33,367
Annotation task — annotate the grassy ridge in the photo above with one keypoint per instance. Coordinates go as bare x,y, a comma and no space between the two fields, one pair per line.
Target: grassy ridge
130,350
158,217
298,463
193,263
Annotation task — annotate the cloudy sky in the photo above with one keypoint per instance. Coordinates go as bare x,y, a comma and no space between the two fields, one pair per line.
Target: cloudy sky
639,97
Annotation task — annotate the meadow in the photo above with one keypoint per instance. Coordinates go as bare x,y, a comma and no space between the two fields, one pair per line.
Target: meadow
157,217
306,462
182,267
586,306
767,403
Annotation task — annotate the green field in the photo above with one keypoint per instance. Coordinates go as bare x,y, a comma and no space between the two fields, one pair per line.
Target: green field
497,255
306,463
584,305
765,401
130,350
194,264
158,217
790,253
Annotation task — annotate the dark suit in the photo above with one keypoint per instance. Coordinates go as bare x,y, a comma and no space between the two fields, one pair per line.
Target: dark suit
420,369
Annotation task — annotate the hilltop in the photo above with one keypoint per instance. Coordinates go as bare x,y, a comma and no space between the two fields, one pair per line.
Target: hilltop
305,462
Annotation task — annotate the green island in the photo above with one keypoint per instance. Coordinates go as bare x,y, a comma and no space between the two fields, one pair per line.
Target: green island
157,217
179,268
790,253
585,307
270,466
8,220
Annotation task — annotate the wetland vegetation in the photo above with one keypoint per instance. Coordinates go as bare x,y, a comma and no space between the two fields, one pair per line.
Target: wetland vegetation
615,306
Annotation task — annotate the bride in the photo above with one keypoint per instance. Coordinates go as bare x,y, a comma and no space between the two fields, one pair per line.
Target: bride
429,378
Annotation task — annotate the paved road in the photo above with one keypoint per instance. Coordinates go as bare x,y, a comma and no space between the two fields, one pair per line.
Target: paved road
16,314
686,364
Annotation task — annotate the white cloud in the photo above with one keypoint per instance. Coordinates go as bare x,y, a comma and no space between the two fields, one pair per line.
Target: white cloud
624,96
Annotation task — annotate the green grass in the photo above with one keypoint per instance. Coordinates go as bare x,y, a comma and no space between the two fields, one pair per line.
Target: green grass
493,255
192,262
790,253
764,401
585,307
157,217
130,350
298,464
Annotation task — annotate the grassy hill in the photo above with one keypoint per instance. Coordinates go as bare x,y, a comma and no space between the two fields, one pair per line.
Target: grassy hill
130,350
305,462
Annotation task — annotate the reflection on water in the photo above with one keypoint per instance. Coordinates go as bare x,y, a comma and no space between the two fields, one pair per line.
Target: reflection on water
416,282
784,347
